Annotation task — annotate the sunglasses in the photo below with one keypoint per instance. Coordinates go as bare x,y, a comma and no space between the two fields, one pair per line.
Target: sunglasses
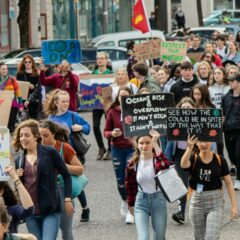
27,62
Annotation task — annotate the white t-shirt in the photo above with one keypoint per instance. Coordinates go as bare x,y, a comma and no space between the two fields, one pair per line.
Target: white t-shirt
217,92
115,89
145,176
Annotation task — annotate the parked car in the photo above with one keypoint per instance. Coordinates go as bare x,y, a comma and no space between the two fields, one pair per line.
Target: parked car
204,32
19,53
229,28
120,39
216,16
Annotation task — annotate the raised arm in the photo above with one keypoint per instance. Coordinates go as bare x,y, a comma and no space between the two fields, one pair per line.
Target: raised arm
185,160
25,198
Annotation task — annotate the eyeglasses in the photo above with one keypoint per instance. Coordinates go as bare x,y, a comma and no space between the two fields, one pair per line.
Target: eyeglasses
101,58
27,62
208,56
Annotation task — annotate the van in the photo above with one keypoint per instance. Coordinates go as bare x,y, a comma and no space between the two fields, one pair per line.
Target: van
121,39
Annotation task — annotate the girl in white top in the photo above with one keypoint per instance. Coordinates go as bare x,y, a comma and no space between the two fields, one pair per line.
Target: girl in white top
142,191
219,86
122,80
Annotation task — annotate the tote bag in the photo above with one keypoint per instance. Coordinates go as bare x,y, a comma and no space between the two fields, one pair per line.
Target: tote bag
171,184
78,182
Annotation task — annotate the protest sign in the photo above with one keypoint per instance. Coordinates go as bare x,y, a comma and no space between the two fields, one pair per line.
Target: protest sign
206,124
54,51
147,50
24,88
173,51
142,113
4,152
6,98
91,90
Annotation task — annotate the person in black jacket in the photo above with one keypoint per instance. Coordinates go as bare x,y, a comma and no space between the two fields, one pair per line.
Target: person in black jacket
231,124
180,17
183,86
38,167
27,72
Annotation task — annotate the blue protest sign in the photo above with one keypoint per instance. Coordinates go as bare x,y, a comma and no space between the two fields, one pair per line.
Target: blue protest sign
54,51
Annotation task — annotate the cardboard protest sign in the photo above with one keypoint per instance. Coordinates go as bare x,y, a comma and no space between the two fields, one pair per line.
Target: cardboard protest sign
91,90
4,152
24,88
206,124
173,51
54,51
141,113
147,50
6,98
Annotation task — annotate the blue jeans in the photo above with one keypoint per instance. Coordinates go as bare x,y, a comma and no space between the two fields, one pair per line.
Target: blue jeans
120,158
44,228
153,205
65,220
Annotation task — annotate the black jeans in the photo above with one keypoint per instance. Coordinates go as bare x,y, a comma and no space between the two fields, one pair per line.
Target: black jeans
12,119
232,140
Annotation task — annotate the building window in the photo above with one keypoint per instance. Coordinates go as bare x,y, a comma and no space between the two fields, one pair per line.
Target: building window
223,4
4,26
61,21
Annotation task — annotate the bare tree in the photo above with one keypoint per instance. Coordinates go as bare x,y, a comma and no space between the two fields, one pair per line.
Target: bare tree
23,20
199,10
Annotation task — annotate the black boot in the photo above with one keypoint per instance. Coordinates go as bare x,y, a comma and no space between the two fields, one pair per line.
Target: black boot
85,215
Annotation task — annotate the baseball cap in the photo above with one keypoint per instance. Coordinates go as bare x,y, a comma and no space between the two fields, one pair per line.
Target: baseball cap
229,62
236,77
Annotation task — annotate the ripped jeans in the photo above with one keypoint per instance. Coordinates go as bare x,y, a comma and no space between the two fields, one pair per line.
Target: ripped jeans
120,158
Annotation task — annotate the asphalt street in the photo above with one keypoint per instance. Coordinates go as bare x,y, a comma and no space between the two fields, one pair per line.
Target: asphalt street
106,223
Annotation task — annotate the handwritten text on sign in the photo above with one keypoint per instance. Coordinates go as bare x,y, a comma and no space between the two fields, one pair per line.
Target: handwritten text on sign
147,50
4,152
54,51
142,113
91,90
206,124
173,51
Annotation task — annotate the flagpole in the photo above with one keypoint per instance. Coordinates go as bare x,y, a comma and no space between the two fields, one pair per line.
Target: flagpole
149,27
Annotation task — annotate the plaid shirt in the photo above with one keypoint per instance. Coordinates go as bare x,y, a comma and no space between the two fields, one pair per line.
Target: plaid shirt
160,162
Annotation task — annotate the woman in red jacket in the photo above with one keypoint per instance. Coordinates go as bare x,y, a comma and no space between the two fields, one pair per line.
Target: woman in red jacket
122,148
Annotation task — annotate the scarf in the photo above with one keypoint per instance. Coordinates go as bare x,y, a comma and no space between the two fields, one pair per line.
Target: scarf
3,81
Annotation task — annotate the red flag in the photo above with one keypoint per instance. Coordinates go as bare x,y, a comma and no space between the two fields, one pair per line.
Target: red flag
140,20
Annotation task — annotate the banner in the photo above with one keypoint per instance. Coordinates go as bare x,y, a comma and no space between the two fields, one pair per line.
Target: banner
91,90
54,51
141,113
147,50
4,152
24,88
173,51
206,124
6,98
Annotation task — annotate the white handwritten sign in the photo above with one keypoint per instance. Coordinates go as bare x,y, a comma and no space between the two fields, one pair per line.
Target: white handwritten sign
4,152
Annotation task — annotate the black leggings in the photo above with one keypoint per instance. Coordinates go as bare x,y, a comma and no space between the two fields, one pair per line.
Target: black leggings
232,140
96,117
182,174
12,119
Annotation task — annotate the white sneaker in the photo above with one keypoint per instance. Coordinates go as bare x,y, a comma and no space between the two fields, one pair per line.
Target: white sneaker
237,185
129,218
124,209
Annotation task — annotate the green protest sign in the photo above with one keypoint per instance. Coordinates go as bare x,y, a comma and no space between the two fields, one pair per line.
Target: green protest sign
173,51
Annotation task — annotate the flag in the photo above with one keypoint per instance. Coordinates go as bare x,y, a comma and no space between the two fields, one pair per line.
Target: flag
140,20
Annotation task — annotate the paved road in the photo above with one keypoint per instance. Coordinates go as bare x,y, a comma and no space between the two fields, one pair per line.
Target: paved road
106,222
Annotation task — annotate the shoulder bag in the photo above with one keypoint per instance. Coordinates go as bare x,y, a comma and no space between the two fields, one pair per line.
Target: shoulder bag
80,144
171,184
78,182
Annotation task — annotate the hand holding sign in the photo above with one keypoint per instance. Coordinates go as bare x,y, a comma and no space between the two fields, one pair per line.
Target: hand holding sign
191,141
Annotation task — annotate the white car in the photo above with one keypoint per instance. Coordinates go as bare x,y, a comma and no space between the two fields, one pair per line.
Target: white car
120,39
